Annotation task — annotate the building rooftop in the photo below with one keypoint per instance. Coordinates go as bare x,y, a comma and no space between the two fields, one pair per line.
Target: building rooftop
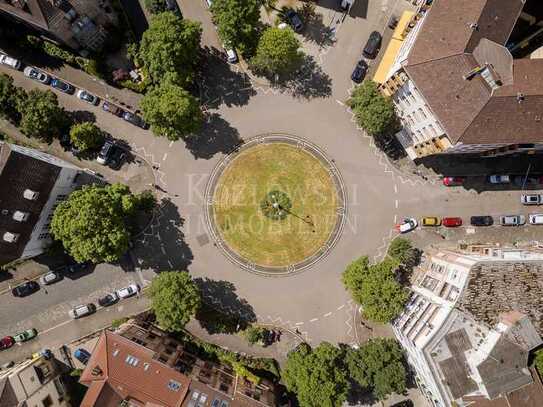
458,62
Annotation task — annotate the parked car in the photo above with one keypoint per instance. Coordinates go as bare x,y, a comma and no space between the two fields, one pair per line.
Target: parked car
536,218
37,75
73,268
106,152
499,179
408,225
108,299
522,180
88,97
481,221
512,220
359,72
135,120
345,4
294,20
371,49
62,86
453,181
113,109
6,342
117,158
50,278
9,61
129,291
403,403
209,2
25,289
231,55
171,5
431,221
451,222
82,355
25,335
531,199
82,310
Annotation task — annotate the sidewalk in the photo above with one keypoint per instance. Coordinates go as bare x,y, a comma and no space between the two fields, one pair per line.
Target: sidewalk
238,344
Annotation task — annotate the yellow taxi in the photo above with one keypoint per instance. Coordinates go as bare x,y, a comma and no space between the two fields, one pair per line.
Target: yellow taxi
431,221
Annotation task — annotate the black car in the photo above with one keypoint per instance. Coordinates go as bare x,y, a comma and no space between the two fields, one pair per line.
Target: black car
481,221
522,180
360,71
404,403
25,289
294,20
135,120
372,46
117,158
73,268
62,86
106,152
108,299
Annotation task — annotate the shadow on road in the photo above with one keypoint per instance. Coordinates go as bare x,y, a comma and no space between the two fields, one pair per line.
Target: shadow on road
216,136
223,310
309,82
162,246
316,31
222,84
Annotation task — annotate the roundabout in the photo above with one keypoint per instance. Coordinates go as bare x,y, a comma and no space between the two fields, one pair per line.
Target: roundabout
276,206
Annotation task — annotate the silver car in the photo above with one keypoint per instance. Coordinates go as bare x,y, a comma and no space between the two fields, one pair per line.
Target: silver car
50,278
512,220
37,75
82,311
536,219
531,199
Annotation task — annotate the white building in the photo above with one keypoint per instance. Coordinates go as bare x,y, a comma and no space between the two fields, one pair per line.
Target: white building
459,357
32,183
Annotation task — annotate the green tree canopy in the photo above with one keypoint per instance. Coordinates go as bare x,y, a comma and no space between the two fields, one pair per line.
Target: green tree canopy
376,289
10,97
374,112
402,251
237,22
169,49
155,6
86,136
93,223
277,52
41,114
171,111
317,376
174,299
378,366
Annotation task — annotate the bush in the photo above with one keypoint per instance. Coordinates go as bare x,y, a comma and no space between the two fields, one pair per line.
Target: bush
139,87
118,322
146,201
86,136
255,334
538,361
402,250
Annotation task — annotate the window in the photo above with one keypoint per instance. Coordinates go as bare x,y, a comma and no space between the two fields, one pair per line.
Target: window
131,360
422,114
43,236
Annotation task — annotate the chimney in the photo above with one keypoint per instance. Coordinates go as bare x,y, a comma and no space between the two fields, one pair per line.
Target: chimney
20,216
474,26
10,237
520,97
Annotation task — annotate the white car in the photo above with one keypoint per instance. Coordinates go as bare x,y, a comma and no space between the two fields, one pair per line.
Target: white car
9,61
531,199
408,225
87,97
82,310
499,179
231,55
37,75
536,219
512,220
50,278
129,291
209,2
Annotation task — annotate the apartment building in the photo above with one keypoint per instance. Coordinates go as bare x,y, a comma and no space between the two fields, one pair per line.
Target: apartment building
143,366
468,328
457,88
35,382
77,24
32,184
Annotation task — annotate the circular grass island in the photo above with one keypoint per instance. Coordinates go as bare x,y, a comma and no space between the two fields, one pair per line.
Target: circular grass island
274,205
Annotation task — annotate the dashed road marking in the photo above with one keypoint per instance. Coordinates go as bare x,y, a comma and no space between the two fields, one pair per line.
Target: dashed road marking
299,323
395,219
395,188
165,156
171,144
340,307
314,319
327,314
396,203
163,249
340,102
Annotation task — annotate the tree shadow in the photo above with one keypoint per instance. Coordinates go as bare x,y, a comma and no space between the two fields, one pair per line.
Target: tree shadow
359,396
81,116
309,82
223,311
216,136
161,246
222,83
316,30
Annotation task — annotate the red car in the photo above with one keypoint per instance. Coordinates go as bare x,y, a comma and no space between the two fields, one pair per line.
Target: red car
453,181
6,342
451,222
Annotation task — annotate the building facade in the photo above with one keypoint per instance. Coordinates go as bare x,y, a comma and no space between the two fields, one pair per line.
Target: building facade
463,355
457,88
32,184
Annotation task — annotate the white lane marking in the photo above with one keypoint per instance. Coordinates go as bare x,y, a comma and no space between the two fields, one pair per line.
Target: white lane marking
314,319
56,326
327,314
340,102
395,219
340,307
165,156
299,323
396,203
158,237
171,144
163,249
395,188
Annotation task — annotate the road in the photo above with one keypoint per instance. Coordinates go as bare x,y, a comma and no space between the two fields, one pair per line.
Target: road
314,301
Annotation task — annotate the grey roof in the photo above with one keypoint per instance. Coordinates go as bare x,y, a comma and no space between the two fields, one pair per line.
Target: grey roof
19,172
7,395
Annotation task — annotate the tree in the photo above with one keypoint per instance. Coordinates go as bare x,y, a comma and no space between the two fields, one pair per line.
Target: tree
402,251
169,49
171,111
237,22
10,97
86,136
376,289
538,360
255,334
378,366
277,52
155,6
317,376
41,114
93,223
174,299
373,111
